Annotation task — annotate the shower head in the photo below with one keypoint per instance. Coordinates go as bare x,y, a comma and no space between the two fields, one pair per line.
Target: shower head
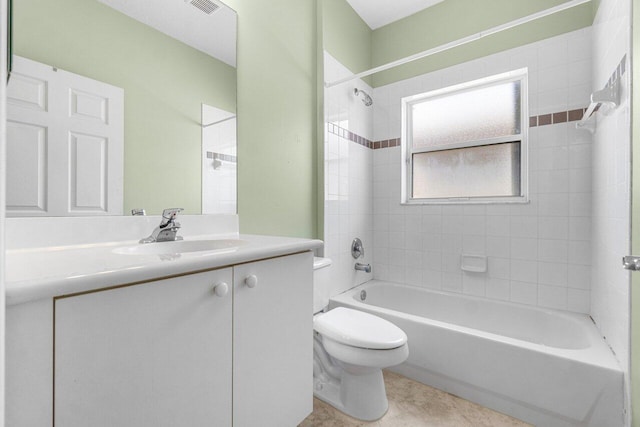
366,99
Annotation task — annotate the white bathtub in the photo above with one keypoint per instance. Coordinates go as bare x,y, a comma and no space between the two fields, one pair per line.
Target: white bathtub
546,367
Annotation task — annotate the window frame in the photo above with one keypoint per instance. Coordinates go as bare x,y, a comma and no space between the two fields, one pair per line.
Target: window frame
407,150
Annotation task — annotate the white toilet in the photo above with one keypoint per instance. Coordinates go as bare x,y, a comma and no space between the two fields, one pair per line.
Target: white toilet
351,348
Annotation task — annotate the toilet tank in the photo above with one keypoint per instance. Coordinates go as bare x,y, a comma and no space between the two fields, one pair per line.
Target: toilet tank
321,283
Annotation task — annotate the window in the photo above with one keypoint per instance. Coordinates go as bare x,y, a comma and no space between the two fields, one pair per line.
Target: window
467,143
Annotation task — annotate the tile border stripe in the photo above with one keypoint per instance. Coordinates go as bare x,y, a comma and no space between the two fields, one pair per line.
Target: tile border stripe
345,133
555,118
534,121
219,156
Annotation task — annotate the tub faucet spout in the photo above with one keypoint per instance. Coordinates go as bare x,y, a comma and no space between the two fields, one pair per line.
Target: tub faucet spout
363,267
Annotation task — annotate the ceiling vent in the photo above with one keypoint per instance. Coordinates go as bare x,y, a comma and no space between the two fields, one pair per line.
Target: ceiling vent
207,6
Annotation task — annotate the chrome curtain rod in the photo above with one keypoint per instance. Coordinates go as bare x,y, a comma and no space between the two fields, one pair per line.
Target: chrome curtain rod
462,41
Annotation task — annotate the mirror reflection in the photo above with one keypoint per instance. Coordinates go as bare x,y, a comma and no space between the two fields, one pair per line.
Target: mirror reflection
115,105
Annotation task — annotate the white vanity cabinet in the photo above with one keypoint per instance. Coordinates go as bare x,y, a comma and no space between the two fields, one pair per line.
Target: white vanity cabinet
273,342
152,354
174,352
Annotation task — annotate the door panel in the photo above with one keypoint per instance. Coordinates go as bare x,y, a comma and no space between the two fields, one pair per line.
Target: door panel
88,187
82,141
27,171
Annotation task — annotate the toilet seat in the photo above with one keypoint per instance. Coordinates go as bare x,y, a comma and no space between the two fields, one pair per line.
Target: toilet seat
359,329
360,358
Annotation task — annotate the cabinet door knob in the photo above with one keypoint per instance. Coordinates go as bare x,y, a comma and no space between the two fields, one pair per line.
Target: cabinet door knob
251,281
221,289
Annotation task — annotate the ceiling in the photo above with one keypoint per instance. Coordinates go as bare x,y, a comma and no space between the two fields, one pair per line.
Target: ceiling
378,13
213,34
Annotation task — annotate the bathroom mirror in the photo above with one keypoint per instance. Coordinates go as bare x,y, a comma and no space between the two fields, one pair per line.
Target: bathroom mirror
174,62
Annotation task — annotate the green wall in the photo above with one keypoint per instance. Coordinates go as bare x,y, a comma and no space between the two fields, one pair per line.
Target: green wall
454,19
277,117
359,48
164,83
277,95
346,36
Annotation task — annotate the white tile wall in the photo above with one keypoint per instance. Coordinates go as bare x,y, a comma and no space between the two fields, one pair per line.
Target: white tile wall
559,79
219,183
538,253
348,180
611,183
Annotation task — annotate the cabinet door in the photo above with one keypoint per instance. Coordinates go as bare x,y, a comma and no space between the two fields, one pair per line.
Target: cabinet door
273,342
154,354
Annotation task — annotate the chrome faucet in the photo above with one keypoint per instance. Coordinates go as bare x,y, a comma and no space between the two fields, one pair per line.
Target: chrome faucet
166,231
357,251
363,267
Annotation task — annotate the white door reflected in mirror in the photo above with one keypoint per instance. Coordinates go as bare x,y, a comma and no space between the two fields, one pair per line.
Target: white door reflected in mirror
65,143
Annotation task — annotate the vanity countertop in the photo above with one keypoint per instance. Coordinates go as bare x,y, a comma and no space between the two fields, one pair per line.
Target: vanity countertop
35,273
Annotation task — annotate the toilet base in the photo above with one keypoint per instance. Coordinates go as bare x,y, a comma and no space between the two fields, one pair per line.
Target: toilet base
362,396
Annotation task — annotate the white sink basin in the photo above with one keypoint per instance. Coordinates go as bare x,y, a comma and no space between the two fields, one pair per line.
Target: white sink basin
181,246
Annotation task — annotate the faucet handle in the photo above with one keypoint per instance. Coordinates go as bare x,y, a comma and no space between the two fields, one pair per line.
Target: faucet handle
357,249
166,231
169,216
171,212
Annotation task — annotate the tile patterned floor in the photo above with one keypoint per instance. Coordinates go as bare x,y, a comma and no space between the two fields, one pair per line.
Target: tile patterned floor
412,404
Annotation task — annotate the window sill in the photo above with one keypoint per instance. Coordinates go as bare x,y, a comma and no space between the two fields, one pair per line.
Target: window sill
469,201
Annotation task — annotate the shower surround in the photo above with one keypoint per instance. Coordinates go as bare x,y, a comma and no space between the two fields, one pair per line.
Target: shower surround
538,253
348,177
563,249
610,294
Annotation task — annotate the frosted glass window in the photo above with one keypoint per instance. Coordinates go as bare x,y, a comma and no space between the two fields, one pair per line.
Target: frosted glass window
483,113
467,143
482,171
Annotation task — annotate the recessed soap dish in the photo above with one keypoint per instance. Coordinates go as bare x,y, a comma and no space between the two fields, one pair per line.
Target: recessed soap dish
473,263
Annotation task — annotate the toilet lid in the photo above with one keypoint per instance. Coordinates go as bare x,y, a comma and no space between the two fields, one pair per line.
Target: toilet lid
359,329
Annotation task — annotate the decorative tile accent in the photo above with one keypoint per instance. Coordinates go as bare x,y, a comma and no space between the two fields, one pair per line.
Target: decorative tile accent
534,121
388,143
619,71
575,115
345,133
220,156
544,119
560,117
554,118
615,76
